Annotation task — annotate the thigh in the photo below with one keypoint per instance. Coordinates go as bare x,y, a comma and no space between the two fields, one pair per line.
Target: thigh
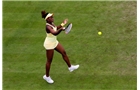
49,54
60,49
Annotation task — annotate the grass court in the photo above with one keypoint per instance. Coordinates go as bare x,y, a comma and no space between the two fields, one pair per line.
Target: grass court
107,62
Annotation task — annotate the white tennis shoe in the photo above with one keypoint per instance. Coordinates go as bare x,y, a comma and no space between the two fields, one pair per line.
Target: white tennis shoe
48,79
73,67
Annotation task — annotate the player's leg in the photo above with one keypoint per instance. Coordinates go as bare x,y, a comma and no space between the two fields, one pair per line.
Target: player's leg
61,50
49,55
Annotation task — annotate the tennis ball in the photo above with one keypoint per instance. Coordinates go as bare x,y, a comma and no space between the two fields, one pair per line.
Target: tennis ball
99,33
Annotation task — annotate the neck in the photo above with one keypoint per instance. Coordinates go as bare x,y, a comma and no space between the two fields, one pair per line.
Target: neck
50,23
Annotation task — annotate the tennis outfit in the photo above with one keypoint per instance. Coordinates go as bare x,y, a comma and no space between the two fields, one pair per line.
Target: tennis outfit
51,40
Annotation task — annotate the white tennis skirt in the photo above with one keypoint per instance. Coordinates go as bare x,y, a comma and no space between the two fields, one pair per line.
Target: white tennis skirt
50,43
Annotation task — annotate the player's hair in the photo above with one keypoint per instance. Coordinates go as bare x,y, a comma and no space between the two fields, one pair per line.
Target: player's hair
44,14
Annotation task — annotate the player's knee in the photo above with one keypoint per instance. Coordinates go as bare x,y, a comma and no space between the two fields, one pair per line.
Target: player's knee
49,61
64,53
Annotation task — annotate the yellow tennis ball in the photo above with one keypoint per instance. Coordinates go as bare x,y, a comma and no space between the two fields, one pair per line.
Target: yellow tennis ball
99,33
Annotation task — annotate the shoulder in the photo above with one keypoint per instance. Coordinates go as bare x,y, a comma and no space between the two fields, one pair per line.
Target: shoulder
48,27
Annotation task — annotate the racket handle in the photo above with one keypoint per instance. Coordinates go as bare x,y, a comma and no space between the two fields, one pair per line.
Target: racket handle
63,28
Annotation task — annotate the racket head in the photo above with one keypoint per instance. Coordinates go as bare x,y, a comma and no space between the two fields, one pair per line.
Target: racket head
68,28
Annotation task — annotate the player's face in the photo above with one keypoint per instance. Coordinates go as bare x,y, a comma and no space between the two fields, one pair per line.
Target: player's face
51,19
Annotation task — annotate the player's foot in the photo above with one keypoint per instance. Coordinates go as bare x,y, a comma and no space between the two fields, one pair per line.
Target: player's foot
73,67
48,79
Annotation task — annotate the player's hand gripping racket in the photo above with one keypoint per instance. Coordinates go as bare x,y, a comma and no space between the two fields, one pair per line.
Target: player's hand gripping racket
68,28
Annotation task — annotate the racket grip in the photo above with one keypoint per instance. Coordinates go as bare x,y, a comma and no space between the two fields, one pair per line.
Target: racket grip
64,28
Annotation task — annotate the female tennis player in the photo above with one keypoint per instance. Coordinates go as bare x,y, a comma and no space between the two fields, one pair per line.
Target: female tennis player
51,43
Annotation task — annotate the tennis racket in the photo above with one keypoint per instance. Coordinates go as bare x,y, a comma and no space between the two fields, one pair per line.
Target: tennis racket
68,28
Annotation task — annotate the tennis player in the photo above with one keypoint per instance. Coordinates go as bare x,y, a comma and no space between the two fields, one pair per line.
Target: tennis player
51,43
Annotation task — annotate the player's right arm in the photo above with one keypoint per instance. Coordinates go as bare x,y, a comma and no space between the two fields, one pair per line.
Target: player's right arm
50,30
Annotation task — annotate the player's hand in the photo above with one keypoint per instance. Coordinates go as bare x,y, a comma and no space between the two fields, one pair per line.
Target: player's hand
65,21
63,28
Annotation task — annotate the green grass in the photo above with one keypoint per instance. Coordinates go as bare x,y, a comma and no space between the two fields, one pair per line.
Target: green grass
107,62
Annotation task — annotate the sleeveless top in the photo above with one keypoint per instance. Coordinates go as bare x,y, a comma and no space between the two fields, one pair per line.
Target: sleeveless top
50,40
